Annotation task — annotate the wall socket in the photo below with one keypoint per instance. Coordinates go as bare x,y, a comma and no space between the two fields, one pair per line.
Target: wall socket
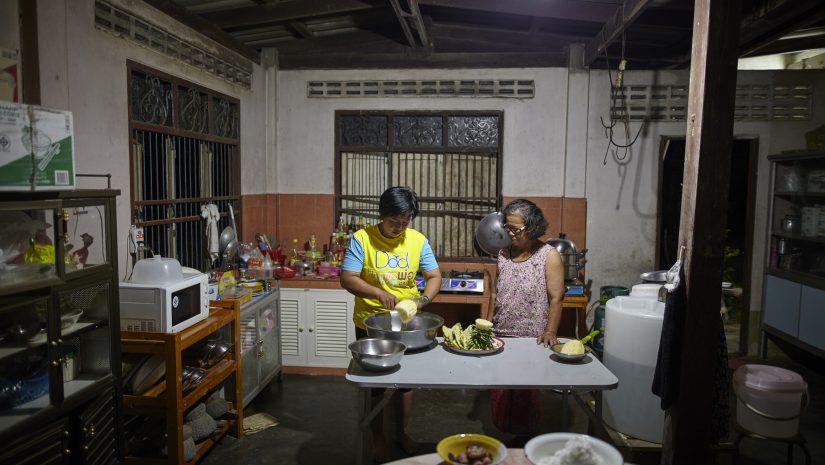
135,239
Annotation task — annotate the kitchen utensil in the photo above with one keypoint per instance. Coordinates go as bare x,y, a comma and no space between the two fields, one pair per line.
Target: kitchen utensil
791,224
377,354
457,444
490,234
227,235
190,377
541,448
420,331
69,319
232,217
149,374
654,277
497,342
572,259
157,270
218,352
395,321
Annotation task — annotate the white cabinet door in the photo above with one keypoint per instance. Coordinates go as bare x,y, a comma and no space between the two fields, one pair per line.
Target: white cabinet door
812,317
781,305
316,327
332,330
293,345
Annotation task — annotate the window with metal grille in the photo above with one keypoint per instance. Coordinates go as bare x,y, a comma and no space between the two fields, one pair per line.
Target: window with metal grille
452,160
185,154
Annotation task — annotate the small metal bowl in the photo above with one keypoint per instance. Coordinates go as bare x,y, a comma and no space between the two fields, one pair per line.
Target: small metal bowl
567,357
377,354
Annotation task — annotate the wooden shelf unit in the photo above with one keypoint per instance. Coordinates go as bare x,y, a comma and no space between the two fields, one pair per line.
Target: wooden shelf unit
157,401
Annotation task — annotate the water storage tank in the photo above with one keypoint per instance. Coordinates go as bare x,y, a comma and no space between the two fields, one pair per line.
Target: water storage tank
631,346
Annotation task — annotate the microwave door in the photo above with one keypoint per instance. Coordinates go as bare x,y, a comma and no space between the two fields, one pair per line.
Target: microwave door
184,304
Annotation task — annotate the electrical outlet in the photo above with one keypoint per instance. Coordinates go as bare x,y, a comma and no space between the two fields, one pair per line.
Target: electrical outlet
135,238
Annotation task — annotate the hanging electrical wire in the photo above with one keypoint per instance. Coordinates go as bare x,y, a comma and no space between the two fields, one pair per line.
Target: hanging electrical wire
619,112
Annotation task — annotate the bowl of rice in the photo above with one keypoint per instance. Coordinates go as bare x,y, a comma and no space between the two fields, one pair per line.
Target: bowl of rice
571,449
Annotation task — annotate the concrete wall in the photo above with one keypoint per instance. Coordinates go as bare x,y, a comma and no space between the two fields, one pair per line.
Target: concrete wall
83,69
534,129
9,27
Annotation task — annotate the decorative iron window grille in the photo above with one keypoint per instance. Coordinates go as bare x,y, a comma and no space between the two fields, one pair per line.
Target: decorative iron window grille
185,154
451,160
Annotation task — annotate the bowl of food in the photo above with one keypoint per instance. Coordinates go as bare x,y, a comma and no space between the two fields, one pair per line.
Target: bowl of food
575,448
573,350
377,354
417,333
470,449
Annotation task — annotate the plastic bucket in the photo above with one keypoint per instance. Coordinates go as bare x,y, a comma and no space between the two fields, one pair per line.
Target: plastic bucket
769,400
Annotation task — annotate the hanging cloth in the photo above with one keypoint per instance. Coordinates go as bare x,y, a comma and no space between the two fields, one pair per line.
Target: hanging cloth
212,215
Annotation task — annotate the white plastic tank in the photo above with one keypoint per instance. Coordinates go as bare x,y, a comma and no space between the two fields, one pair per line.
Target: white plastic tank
633,326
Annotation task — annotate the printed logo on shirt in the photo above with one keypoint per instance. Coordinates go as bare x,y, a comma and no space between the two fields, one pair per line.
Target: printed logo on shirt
386,260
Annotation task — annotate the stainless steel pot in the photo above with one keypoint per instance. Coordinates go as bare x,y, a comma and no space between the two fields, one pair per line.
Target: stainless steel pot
572,259
420,332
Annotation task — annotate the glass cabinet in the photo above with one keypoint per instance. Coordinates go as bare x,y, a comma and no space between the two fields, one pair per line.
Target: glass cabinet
59,327
795,269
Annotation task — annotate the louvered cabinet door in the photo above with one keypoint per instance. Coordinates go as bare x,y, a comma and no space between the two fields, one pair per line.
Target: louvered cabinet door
98,431
47,445
331,329
293,326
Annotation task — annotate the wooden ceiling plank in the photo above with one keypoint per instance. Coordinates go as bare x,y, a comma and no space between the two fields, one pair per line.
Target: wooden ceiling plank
562,9
528,40
206,28
613,28
402,18
356,40
283,12
300,29
420,60
791,45
784,18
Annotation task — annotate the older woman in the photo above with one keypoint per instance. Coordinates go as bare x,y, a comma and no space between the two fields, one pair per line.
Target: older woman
529,293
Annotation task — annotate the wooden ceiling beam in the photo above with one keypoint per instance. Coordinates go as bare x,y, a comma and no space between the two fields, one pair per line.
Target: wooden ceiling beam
761,29
356,40
419,59
410,18
561,9
206,28
613,28
283,12
300,29
535,41
791,45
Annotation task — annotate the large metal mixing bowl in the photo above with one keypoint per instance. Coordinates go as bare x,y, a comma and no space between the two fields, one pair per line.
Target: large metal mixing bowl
377,354
420,331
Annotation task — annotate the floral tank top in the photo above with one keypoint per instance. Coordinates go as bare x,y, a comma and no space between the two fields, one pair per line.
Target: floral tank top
522,305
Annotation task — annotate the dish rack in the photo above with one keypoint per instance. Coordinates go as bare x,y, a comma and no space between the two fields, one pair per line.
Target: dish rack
167,399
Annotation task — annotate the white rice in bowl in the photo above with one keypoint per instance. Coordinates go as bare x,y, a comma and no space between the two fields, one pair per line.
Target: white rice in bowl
576,451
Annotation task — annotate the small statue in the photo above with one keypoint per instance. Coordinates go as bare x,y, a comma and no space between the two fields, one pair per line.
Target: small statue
82,254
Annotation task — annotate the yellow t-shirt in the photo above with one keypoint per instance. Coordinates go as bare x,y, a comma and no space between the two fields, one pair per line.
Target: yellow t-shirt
390,264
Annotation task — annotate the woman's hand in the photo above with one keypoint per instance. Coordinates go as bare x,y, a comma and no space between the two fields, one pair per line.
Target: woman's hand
548,338
387,300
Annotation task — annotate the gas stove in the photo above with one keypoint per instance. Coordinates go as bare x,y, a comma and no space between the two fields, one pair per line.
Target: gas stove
573,289
458,282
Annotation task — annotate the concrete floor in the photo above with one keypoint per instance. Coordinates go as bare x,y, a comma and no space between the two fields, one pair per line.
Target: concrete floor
318,419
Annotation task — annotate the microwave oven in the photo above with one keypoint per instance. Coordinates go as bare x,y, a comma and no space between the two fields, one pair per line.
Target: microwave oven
164,308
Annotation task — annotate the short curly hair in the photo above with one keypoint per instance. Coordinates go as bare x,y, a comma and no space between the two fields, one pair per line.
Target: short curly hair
531,214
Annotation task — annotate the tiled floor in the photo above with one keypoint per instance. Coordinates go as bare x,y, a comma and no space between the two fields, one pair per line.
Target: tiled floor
318,419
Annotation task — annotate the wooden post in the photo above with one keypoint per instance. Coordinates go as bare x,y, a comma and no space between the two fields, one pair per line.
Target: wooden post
29,77
704,208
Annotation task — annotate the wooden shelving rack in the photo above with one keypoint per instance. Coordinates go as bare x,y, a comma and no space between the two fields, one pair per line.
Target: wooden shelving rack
166,399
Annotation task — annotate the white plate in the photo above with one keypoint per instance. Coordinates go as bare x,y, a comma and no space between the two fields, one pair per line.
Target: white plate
726,285
498,342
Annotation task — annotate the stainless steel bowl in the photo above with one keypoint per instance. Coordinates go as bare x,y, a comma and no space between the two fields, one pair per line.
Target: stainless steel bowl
377,354
419,332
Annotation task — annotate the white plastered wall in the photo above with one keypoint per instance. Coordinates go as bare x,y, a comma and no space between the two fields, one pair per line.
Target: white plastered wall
534,129
83,70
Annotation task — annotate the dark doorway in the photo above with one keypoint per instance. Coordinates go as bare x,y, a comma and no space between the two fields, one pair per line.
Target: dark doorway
736,269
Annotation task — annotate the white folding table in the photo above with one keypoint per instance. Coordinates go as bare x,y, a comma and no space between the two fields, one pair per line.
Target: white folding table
521,364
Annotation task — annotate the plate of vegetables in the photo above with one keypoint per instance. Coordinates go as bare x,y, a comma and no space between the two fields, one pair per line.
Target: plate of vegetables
475,339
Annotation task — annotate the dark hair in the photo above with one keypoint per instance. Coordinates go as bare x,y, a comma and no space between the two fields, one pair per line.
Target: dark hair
531,214
398,201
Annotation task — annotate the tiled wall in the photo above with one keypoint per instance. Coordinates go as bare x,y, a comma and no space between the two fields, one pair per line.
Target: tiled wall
287,216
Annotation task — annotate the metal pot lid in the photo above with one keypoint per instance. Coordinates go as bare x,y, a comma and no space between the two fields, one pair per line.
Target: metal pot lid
564,246
491,235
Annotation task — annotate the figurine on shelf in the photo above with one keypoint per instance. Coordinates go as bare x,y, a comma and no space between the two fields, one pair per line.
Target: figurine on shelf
82,254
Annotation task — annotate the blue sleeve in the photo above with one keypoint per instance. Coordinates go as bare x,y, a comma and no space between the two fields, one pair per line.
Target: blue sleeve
427,261
353,257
